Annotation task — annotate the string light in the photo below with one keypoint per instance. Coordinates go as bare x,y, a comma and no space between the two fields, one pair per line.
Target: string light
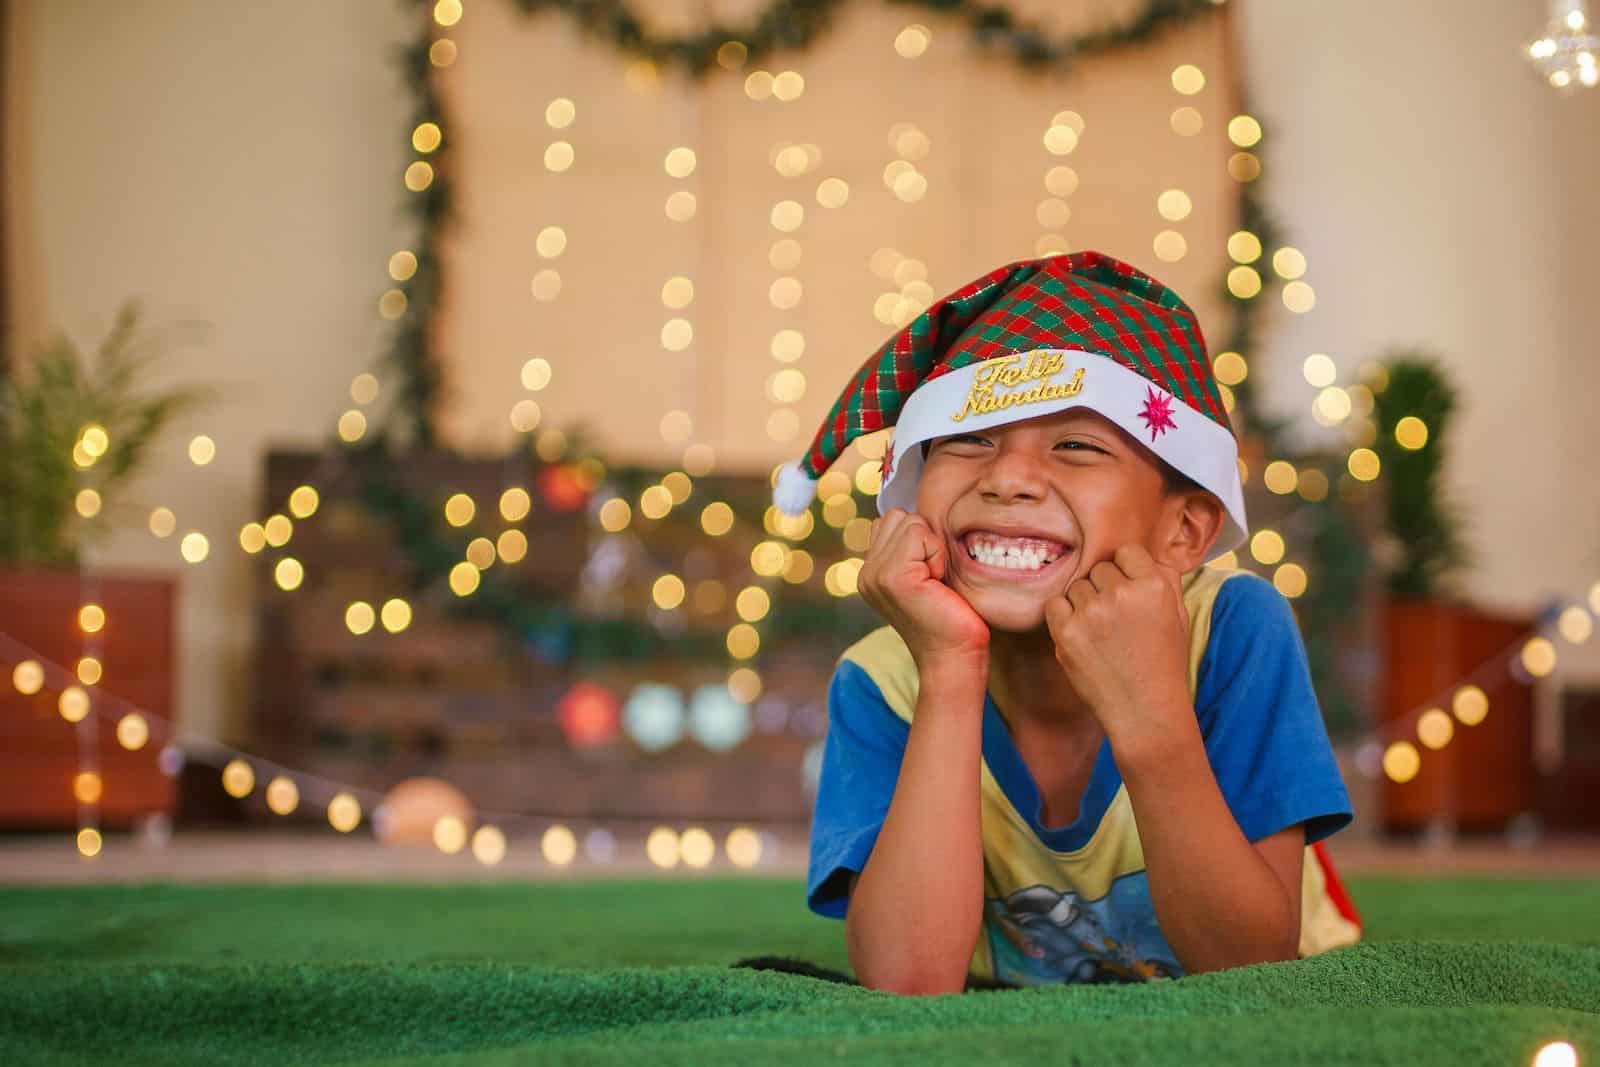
277,530
1576,625
1244,246
395,615
913,41
1401,761
28,677
1411,433
303,502
288,573
1244,131
163,522
559,845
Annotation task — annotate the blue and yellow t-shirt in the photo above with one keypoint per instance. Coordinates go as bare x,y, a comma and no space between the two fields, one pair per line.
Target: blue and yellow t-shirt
1072,903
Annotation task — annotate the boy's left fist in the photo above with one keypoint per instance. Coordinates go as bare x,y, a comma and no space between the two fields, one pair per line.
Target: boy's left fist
1122,637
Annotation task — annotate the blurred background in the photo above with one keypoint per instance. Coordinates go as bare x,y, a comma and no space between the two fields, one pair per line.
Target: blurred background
392,391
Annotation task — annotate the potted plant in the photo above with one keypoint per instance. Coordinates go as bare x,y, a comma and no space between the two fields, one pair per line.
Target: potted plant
73,435
1434,641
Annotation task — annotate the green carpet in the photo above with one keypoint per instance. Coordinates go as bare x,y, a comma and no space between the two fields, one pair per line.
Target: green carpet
1453,971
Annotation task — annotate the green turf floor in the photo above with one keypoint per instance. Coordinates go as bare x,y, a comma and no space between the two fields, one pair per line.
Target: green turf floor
1453,971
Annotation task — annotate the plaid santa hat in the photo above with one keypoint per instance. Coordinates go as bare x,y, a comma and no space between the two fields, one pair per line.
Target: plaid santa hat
1028,339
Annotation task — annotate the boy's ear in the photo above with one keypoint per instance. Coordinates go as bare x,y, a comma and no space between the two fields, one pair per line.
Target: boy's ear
1194,521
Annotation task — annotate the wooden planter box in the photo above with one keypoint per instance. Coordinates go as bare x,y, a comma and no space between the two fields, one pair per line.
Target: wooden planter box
1485,776
40,752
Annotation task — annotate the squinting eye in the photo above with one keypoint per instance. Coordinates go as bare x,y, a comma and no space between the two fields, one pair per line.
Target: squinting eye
1081,444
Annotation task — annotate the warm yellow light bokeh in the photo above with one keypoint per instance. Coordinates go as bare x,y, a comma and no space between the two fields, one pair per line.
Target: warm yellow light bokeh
465,579
1230,368
1280,477
359,617
288,573
1267,546
194,547
1291,580
303,502
74,704
743,641
662,847
28,677
511,546
558,845
396,615
696,847
459,509
1575,625
277,530
744,685
87,787
1471,705
133,731
1411,433
449,834
752,603
1435,728
283,796
480,553
668,592
238,779
743,846
1364,464
1188,79
1539,656
91,618
344,813
1402,761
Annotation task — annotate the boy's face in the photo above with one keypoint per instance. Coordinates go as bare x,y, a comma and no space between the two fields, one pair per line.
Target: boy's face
1028,508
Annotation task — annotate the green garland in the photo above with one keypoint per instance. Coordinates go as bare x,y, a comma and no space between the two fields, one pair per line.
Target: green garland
1340,558
795,24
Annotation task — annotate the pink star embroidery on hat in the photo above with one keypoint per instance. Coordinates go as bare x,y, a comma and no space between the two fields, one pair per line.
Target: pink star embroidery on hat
1157,414
886,468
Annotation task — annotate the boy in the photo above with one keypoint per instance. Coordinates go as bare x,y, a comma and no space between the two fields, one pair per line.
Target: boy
1075,753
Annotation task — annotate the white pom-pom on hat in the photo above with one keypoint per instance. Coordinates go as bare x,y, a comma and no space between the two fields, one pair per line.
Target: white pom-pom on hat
795,489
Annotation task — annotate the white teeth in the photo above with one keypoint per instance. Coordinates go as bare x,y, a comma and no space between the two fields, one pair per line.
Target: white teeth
1021,554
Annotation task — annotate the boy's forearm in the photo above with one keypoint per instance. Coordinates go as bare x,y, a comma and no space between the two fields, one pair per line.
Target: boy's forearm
917,906
1217,900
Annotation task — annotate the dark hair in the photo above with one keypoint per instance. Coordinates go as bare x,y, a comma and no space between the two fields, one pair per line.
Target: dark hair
1173,481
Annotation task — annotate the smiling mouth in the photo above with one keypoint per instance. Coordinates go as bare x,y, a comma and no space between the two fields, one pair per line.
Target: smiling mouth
1021,556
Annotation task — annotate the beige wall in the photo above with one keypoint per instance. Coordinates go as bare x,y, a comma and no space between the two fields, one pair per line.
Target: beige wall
1445,196
240,165
236,164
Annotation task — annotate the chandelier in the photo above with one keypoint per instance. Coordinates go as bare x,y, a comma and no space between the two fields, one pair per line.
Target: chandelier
1567,51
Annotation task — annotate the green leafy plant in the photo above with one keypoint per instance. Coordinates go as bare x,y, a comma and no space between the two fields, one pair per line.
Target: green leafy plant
48,452
1426,548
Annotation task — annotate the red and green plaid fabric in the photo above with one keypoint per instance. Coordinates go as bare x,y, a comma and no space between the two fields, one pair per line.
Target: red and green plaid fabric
1085,300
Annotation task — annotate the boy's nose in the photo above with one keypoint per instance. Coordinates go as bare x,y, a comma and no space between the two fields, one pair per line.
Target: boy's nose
1011,475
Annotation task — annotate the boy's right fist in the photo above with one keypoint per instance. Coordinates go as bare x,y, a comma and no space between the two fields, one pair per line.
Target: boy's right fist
902,578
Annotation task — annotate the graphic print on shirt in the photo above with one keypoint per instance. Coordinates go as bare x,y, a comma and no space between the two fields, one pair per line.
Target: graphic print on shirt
1040,935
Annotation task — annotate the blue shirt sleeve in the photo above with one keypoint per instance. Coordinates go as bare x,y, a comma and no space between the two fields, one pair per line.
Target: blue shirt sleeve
860,765
1258,713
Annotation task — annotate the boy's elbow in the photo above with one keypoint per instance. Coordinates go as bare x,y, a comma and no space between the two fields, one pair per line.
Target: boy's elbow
914,983
904,975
